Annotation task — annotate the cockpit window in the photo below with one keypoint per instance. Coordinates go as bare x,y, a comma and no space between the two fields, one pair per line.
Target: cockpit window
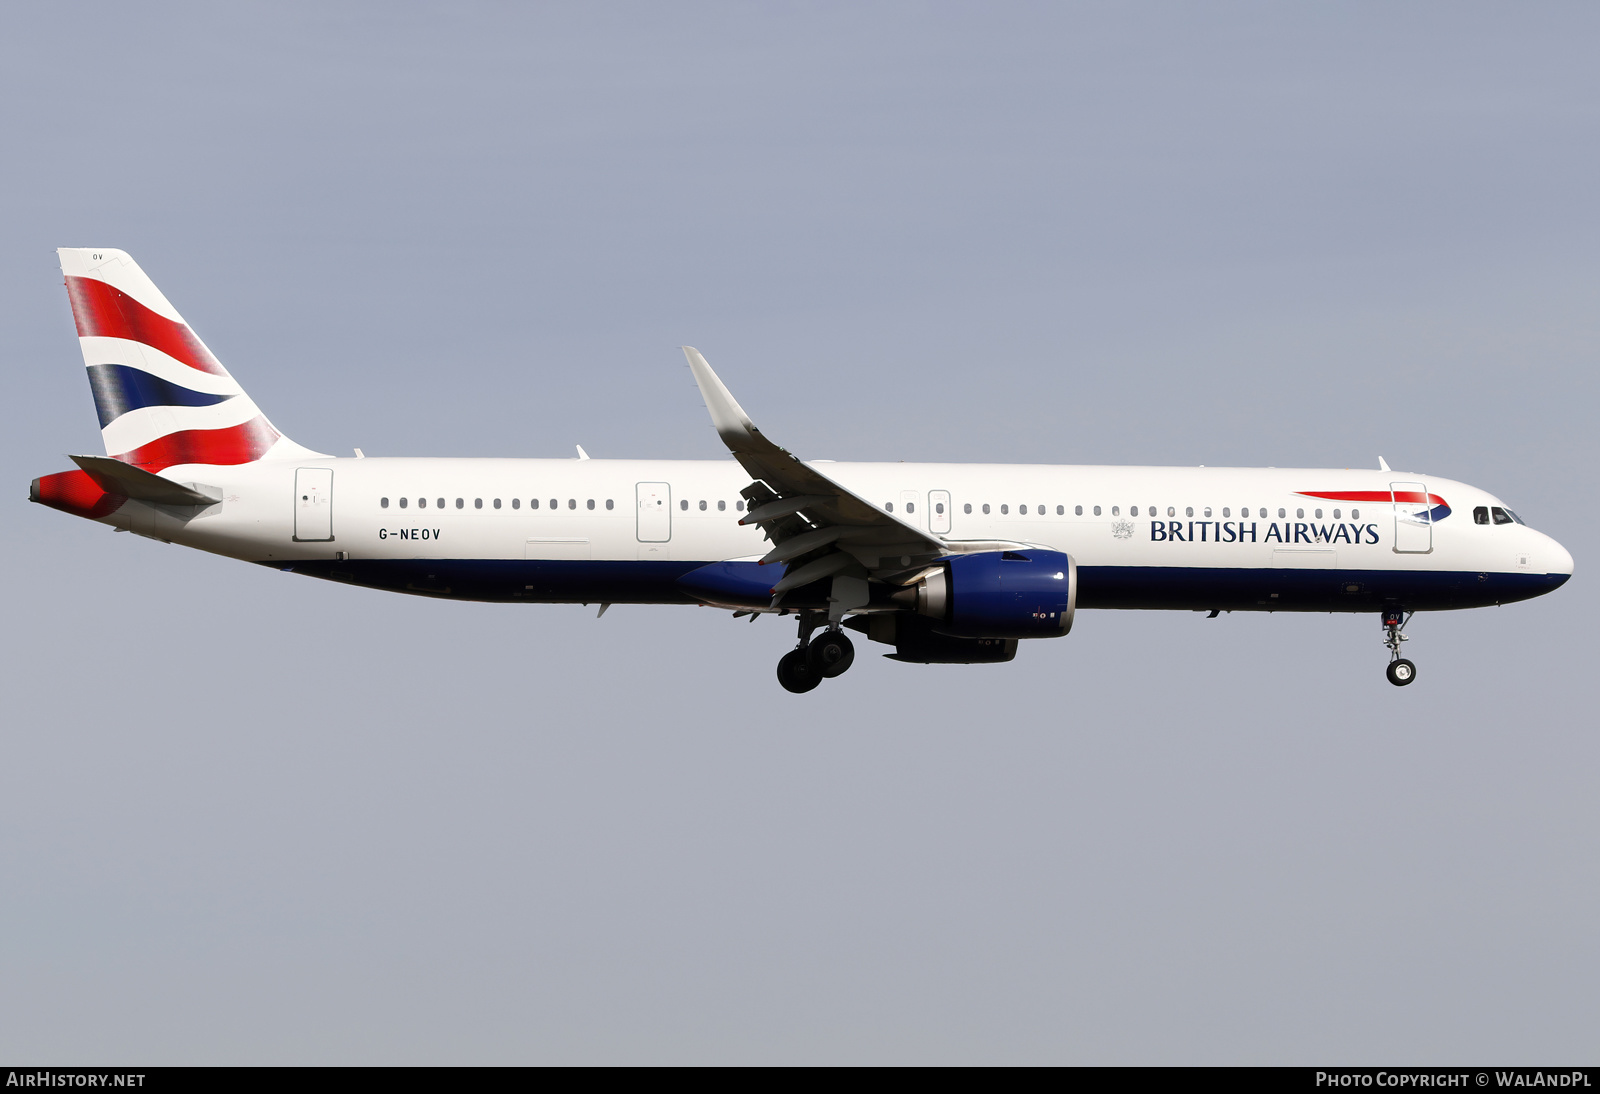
1514,517
1501,516
1480,515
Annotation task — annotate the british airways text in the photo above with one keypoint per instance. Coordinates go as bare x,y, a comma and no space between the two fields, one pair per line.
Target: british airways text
1228,531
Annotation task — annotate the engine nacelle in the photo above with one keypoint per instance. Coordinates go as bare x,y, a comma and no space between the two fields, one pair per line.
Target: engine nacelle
1001,594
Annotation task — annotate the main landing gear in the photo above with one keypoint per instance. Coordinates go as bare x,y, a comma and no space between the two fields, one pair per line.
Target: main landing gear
1401,671
811,662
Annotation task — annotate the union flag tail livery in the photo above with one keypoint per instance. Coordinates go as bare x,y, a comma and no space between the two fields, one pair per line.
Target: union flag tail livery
163,398
946,563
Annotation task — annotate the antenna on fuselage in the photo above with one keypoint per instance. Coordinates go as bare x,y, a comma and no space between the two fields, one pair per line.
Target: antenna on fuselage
1383,464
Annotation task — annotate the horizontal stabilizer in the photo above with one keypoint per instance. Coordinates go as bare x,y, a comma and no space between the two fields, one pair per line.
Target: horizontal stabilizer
116,477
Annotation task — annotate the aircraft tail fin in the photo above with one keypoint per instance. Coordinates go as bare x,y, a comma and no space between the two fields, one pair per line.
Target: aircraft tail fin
163,398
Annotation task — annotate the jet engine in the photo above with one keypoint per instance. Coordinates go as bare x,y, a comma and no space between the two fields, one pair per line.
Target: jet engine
998,594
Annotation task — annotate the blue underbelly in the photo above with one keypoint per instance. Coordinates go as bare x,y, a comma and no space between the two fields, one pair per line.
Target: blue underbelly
1135,587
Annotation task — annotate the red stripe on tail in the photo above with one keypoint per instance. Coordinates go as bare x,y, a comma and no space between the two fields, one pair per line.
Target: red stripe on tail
103,311
76,493
243,443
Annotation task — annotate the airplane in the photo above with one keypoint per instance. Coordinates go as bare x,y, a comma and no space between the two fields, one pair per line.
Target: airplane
946,563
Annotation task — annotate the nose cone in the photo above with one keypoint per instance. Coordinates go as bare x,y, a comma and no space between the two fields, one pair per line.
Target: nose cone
1555,560
1560,560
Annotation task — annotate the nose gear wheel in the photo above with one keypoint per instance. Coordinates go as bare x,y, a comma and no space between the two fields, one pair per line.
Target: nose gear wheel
1400,671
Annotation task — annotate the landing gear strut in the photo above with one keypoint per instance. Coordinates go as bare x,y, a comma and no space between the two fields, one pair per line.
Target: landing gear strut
810,662
1401,671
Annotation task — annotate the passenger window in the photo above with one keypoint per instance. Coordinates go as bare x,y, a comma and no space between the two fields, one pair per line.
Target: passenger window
497,503
1208,510
516,503
477,503
384,504
1336,514
441,503
1264,514
967,508
422,503
1281,514
1480,515
572,503
684,505
1022,510
533,503
1061,510
1299,514
589,504
722,506
738,505
1077,510
702,506
460,504
888,506
1317,513
1004,509
1097,510
911,507
609,503
1188,511
985,508
1355,514
402,503
1171,512
1041,509
1116,511
1225,511
1500,515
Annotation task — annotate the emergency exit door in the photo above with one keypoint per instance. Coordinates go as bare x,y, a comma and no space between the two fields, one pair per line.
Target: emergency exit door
313,504
655,511
939,512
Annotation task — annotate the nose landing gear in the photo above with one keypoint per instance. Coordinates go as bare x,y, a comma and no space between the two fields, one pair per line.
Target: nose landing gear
1401,671
809,663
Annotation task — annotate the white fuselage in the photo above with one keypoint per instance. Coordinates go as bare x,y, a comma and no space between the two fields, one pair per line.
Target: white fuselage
1110,519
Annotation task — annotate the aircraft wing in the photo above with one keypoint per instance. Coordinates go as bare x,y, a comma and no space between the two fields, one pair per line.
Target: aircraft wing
817,527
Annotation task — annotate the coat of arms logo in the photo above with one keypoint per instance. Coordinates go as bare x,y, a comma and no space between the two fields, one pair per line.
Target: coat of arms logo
1122,529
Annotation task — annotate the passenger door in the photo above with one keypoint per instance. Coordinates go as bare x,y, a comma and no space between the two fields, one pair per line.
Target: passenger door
655,511
1413,518
313,504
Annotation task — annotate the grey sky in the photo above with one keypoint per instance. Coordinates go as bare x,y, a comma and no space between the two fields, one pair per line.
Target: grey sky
246,817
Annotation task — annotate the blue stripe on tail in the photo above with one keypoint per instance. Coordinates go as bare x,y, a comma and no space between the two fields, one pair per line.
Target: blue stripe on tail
121,388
